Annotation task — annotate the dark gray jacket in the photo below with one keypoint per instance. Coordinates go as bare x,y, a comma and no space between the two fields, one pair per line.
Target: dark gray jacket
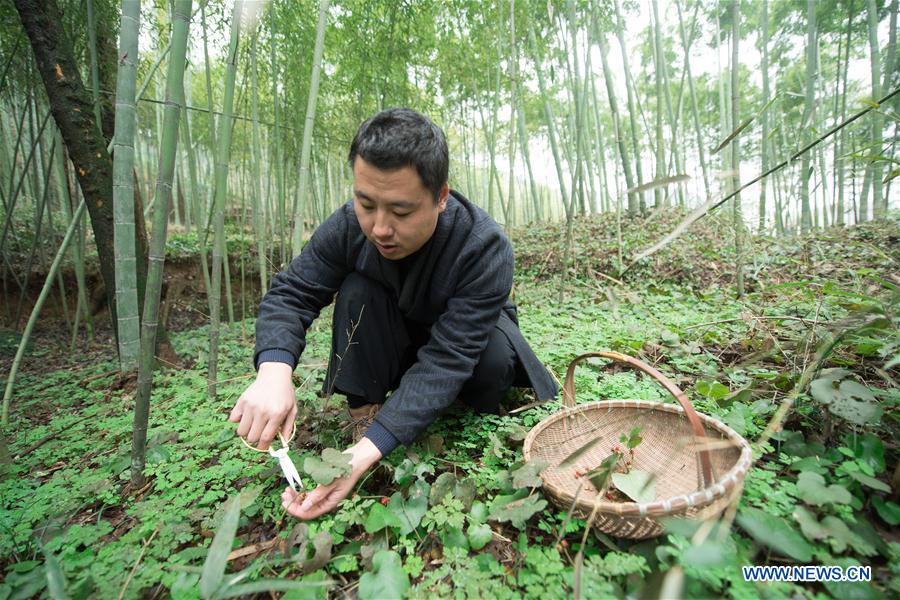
459,284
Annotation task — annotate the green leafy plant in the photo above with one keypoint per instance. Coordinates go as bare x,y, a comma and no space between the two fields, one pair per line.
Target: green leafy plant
331,465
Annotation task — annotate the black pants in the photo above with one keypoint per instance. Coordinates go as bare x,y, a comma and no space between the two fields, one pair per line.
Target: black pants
373,345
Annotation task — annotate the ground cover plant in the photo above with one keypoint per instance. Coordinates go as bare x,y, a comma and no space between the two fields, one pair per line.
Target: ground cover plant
458,513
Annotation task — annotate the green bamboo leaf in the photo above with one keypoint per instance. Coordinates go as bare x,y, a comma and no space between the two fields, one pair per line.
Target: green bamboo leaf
579,452
56,579
657,183
274,585
217,558
733,135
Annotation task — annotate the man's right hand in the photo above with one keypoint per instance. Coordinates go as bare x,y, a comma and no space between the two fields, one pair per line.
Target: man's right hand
267,406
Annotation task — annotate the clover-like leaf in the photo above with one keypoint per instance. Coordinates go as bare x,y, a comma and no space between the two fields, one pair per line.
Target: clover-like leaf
442,486
711,389
409,512
379,518
478,513
809,524
453,537
775,533
845,398
465,491
834,530
812,490
638,485
408,470
840,537
528,475
387,579
480,535
516,508
887,510
332,464
866,480
321,544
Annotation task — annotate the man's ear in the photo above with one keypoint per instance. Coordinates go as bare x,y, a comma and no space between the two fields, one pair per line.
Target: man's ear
442,197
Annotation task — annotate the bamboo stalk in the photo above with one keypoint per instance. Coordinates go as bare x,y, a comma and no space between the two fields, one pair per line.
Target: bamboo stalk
165,173
35,312
221,179
128,326
297,238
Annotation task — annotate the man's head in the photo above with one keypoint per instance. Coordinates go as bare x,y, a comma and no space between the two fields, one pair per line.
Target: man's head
400,164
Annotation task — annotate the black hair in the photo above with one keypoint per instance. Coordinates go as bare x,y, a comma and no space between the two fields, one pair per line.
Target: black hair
401,137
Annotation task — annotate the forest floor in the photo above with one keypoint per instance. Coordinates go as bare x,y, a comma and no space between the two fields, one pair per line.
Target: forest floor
457,513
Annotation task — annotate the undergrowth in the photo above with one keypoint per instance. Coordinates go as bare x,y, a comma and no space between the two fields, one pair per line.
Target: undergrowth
457,514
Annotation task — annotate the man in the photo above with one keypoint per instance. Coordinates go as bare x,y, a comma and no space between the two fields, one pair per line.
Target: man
422,278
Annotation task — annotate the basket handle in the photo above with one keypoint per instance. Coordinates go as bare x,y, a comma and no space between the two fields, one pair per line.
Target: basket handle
696,425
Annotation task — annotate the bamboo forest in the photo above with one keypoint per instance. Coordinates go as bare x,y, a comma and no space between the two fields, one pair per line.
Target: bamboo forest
449,299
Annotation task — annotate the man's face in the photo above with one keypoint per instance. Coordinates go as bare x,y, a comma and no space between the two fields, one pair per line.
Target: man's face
396,211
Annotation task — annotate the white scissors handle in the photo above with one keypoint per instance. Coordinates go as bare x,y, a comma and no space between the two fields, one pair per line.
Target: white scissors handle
287,467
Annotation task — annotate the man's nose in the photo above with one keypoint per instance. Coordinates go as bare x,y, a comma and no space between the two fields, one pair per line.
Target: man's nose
382,228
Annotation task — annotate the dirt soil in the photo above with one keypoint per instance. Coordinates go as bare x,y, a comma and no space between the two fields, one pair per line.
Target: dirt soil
183,307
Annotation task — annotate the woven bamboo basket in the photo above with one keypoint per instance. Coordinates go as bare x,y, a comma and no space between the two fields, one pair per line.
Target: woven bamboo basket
698,462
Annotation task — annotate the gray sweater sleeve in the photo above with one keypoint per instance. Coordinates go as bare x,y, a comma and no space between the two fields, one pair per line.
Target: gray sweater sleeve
457,339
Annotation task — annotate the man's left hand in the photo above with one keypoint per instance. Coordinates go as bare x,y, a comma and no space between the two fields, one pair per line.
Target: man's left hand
325,498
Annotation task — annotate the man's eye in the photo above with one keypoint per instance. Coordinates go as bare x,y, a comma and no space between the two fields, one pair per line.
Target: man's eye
367,206
406,214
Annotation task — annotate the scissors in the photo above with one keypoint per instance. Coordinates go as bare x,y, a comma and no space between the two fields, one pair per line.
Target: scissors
284,461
